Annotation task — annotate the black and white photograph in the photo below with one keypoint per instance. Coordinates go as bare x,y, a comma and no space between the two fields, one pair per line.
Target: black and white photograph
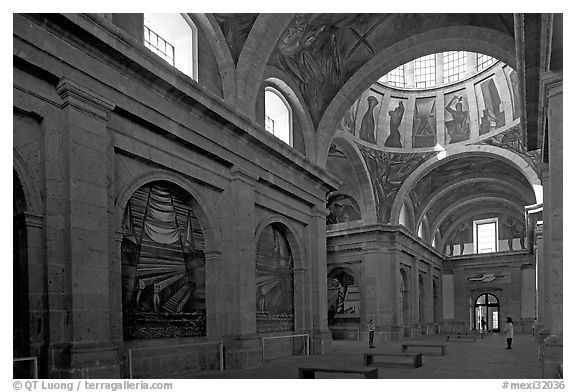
275,195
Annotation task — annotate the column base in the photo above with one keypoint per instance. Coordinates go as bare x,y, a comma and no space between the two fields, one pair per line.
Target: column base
550,354
84,360
243,351
321,342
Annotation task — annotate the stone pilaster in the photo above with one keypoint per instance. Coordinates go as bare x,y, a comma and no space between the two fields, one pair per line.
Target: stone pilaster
550,293
321,336
244,347
85,145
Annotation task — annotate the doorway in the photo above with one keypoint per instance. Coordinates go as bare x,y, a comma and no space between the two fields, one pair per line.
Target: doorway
487,307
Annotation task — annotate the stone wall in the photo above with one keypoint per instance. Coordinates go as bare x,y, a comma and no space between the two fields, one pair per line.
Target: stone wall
86,137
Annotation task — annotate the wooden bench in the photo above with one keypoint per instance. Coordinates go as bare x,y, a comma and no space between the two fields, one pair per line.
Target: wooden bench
460,339
310,371
416,358
441,346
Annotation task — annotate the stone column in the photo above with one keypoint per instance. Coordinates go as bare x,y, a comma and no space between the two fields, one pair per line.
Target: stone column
300,314
215,311
240,279
448,295
86,272
321,336
551,349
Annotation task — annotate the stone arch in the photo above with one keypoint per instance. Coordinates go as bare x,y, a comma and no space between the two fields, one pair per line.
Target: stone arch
261,41
352,152
468,179
296,244
32,196
209,26
282,82
480,150
472,200
442,243
210,229
468,38
265,299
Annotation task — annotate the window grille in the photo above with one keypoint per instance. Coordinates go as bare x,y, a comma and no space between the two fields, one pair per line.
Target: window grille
454,66
159,45
484,61
269,125
425,71
396,77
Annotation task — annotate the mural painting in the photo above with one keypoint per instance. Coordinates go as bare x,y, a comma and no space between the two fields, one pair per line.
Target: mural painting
489,106
462,235
343,294
512,80
396,113
457,119
424,128
163,265
348,122
510,229
368,125
343,208
387,174
235,28
274,282
321,51
512,140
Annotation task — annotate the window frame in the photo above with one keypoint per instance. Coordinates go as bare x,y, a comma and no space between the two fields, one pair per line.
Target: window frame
480,222
163,35
278,93
422,65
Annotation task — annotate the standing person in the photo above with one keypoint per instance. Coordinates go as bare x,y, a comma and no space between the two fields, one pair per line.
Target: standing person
371,329
534,325
509,331
482,325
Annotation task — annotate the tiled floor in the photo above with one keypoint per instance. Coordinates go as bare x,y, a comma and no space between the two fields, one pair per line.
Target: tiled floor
484,359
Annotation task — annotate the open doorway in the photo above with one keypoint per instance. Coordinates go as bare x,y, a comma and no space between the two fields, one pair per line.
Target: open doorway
487,307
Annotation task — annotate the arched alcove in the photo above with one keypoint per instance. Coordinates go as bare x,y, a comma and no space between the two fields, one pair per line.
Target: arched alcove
275,305
163,264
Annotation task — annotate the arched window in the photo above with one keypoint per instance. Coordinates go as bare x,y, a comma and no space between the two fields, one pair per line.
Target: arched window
173,37
278,115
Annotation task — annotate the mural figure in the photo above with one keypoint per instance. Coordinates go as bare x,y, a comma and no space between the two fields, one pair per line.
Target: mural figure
396,115
512,140
342,208
274,283
515,94
492,117
387,173
513,231
367,126
343,294
312,49
459,127
348,122
462,237
163,266
424,128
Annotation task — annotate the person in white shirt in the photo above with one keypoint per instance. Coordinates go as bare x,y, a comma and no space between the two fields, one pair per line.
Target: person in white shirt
509,331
